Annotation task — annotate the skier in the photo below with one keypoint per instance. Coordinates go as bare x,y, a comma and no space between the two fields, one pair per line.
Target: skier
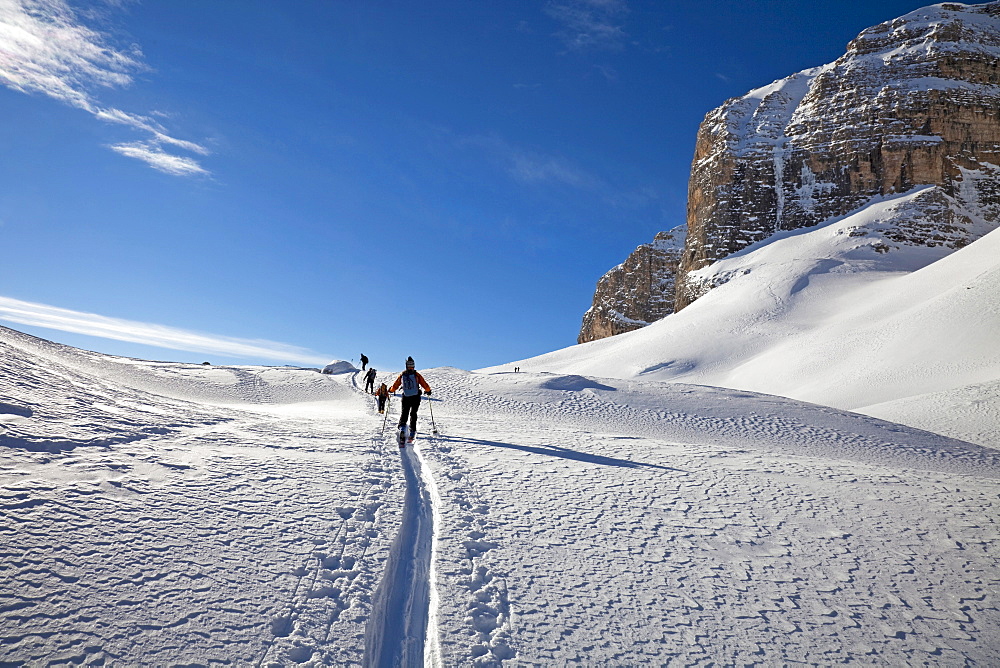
381,396
364,361
370,381
412,381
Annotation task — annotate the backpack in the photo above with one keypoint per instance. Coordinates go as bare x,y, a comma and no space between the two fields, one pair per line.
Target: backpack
410,386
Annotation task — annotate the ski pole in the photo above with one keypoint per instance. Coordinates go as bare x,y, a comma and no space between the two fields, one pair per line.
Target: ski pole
434,429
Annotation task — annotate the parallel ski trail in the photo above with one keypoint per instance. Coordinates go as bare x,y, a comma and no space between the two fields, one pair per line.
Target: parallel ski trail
432,647
405,602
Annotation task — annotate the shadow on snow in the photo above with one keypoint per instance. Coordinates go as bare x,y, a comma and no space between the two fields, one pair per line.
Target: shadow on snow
565,453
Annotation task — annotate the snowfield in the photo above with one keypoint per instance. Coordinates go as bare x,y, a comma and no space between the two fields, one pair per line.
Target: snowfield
168,514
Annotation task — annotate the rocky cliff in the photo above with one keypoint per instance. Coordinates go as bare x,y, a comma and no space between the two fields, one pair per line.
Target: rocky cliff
638,291
914,102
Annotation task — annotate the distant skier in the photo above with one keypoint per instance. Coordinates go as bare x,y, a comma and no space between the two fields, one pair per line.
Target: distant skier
370,381
381,396
412,381
364,361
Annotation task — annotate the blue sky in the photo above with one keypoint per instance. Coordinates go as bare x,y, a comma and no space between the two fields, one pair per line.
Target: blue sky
291,182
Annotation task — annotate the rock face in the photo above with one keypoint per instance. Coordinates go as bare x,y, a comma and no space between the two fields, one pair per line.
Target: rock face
638,291
914,102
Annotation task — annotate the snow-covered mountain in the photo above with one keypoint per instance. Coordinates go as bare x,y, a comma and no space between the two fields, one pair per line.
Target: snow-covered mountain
168,514
914,102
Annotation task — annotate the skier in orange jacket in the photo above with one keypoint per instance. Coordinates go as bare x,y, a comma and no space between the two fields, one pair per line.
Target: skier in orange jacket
411,381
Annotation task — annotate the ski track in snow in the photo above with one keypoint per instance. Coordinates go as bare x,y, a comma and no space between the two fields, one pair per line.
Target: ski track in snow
160,514
397,633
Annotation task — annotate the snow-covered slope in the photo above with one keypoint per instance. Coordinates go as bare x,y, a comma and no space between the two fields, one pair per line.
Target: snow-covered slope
165,514
836,315
913,102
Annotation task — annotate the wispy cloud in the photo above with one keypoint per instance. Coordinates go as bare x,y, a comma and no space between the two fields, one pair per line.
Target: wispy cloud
537,168
529,166
543,170
154,156
45,49
91,324
589,24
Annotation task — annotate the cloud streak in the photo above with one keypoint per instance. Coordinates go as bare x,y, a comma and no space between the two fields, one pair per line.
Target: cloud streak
157,158
91,324
543,170
589,24
45,50
531,167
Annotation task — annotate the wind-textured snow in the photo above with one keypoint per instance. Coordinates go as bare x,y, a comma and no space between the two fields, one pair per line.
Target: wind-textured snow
168,514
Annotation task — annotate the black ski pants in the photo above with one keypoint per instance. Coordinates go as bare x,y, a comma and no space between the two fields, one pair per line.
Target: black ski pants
410,407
